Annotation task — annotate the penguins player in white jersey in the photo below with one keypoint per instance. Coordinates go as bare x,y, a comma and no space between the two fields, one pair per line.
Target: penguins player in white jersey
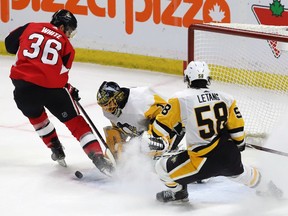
131,111
215,137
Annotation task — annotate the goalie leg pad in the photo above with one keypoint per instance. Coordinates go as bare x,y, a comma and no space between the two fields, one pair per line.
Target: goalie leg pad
114,140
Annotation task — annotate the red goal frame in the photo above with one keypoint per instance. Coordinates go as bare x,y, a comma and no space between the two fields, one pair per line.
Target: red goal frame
226,30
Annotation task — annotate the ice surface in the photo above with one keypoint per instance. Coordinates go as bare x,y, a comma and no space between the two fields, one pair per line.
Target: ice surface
32,184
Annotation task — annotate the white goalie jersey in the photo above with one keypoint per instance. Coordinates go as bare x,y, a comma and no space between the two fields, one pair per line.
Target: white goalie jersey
142,107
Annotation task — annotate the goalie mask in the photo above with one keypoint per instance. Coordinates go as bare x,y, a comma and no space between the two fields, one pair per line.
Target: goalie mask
67,19
197,75
109,96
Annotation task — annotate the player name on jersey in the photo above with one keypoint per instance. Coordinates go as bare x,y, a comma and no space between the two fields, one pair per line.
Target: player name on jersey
50,32
207,97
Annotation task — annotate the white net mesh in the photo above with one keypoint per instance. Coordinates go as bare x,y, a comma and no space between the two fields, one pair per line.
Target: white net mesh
254,70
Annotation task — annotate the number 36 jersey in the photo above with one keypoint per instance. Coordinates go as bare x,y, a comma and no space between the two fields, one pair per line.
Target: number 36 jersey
44,54
205,114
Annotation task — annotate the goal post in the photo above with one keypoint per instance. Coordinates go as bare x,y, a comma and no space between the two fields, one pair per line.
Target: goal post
251,63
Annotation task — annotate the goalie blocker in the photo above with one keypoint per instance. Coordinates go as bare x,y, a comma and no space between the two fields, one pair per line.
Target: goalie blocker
114,139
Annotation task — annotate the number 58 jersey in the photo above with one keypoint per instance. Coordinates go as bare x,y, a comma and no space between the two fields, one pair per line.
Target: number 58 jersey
44,54
205,114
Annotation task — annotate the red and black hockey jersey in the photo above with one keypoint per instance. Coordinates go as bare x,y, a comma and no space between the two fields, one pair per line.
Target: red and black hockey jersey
44,54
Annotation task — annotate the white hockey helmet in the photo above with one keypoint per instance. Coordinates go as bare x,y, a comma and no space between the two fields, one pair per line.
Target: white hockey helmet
196,70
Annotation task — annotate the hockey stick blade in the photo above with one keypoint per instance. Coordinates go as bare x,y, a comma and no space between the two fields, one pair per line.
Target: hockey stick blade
273,151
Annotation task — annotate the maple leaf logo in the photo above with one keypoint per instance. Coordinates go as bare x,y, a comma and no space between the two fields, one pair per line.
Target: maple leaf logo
278,17
277,8
216,13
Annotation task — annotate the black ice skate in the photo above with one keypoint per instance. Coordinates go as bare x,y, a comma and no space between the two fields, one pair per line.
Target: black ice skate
102,163
58,153
175,197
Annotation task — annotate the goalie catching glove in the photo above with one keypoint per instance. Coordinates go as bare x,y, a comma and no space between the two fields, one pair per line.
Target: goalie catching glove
149,143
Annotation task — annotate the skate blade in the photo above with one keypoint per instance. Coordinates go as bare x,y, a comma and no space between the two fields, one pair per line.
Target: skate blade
181,201
62,162
175,202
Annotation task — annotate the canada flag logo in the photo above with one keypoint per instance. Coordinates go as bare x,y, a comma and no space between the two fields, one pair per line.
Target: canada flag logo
274,14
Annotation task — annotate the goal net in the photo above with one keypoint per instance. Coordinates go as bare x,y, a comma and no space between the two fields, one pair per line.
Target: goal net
251,63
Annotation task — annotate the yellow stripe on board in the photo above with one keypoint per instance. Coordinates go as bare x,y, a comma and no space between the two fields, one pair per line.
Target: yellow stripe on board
125,60
170,66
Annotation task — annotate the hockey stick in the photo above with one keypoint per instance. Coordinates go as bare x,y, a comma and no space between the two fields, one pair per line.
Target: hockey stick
107,150
267,150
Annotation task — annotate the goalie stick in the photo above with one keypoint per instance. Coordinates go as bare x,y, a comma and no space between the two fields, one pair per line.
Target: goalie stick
108,153
267,150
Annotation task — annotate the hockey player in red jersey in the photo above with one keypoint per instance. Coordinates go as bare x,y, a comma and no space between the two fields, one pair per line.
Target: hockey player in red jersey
214,137
40,76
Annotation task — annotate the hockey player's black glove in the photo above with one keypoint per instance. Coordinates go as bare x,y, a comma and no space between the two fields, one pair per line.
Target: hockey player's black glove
103,164
241,146
74,92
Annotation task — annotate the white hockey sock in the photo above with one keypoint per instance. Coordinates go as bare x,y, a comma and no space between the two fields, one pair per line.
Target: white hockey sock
250,177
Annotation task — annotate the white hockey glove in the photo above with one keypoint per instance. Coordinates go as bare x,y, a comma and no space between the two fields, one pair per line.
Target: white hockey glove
149,143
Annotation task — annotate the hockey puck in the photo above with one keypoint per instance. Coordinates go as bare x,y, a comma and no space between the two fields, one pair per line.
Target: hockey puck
78,174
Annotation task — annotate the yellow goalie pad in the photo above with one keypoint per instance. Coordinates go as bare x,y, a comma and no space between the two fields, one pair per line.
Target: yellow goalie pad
114,139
